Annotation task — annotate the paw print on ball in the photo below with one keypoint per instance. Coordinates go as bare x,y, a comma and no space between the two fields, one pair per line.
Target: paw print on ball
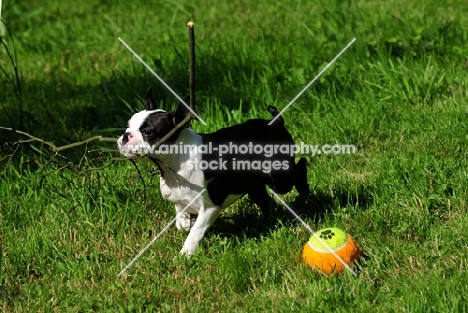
327,234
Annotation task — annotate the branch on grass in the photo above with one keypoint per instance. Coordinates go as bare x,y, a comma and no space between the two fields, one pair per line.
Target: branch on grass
56,151
52,146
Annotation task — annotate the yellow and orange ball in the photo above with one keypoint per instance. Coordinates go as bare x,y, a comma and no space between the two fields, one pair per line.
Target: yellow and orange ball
316,252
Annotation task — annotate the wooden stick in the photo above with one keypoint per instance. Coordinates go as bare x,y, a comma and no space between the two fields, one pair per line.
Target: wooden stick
52,146
160,142
192,65
56,149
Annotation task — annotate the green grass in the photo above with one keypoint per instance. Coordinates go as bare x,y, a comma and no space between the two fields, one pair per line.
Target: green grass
399,94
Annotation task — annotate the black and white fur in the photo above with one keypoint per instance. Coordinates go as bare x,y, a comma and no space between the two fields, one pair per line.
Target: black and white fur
180,183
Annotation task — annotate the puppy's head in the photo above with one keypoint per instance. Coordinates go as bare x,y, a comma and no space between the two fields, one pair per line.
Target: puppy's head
149,126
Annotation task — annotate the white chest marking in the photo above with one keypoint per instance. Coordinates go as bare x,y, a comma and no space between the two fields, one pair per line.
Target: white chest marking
187,181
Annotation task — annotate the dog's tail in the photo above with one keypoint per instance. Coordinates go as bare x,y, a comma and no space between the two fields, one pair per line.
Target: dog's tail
274,112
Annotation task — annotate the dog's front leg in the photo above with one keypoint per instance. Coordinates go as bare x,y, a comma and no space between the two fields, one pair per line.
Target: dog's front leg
183,220
206,218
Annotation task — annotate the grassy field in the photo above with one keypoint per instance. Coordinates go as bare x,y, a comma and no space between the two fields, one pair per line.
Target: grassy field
399,94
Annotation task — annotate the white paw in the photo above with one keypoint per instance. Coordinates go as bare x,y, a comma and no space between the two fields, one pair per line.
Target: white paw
188,249
183,222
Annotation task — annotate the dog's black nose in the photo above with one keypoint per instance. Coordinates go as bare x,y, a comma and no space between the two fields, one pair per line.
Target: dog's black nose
125,138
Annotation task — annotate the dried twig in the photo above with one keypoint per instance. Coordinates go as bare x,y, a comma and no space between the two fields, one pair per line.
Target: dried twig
52,146
192,64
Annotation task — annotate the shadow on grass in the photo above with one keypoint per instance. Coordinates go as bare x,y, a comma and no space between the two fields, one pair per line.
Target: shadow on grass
58,109
251,223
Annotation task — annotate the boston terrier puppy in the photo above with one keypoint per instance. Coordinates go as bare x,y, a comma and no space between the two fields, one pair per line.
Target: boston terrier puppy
228,163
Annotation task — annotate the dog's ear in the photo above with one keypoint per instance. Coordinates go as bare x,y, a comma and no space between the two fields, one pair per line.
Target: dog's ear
181,112
150,103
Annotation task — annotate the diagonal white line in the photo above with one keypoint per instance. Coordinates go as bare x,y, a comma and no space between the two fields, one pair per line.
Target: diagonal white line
314,233
160,79
313,80
160,233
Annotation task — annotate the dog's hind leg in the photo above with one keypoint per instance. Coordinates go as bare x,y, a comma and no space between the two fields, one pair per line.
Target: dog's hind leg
301,184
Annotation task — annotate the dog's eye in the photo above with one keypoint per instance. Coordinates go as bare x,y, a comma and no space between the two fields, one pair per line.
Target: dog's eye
145,132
